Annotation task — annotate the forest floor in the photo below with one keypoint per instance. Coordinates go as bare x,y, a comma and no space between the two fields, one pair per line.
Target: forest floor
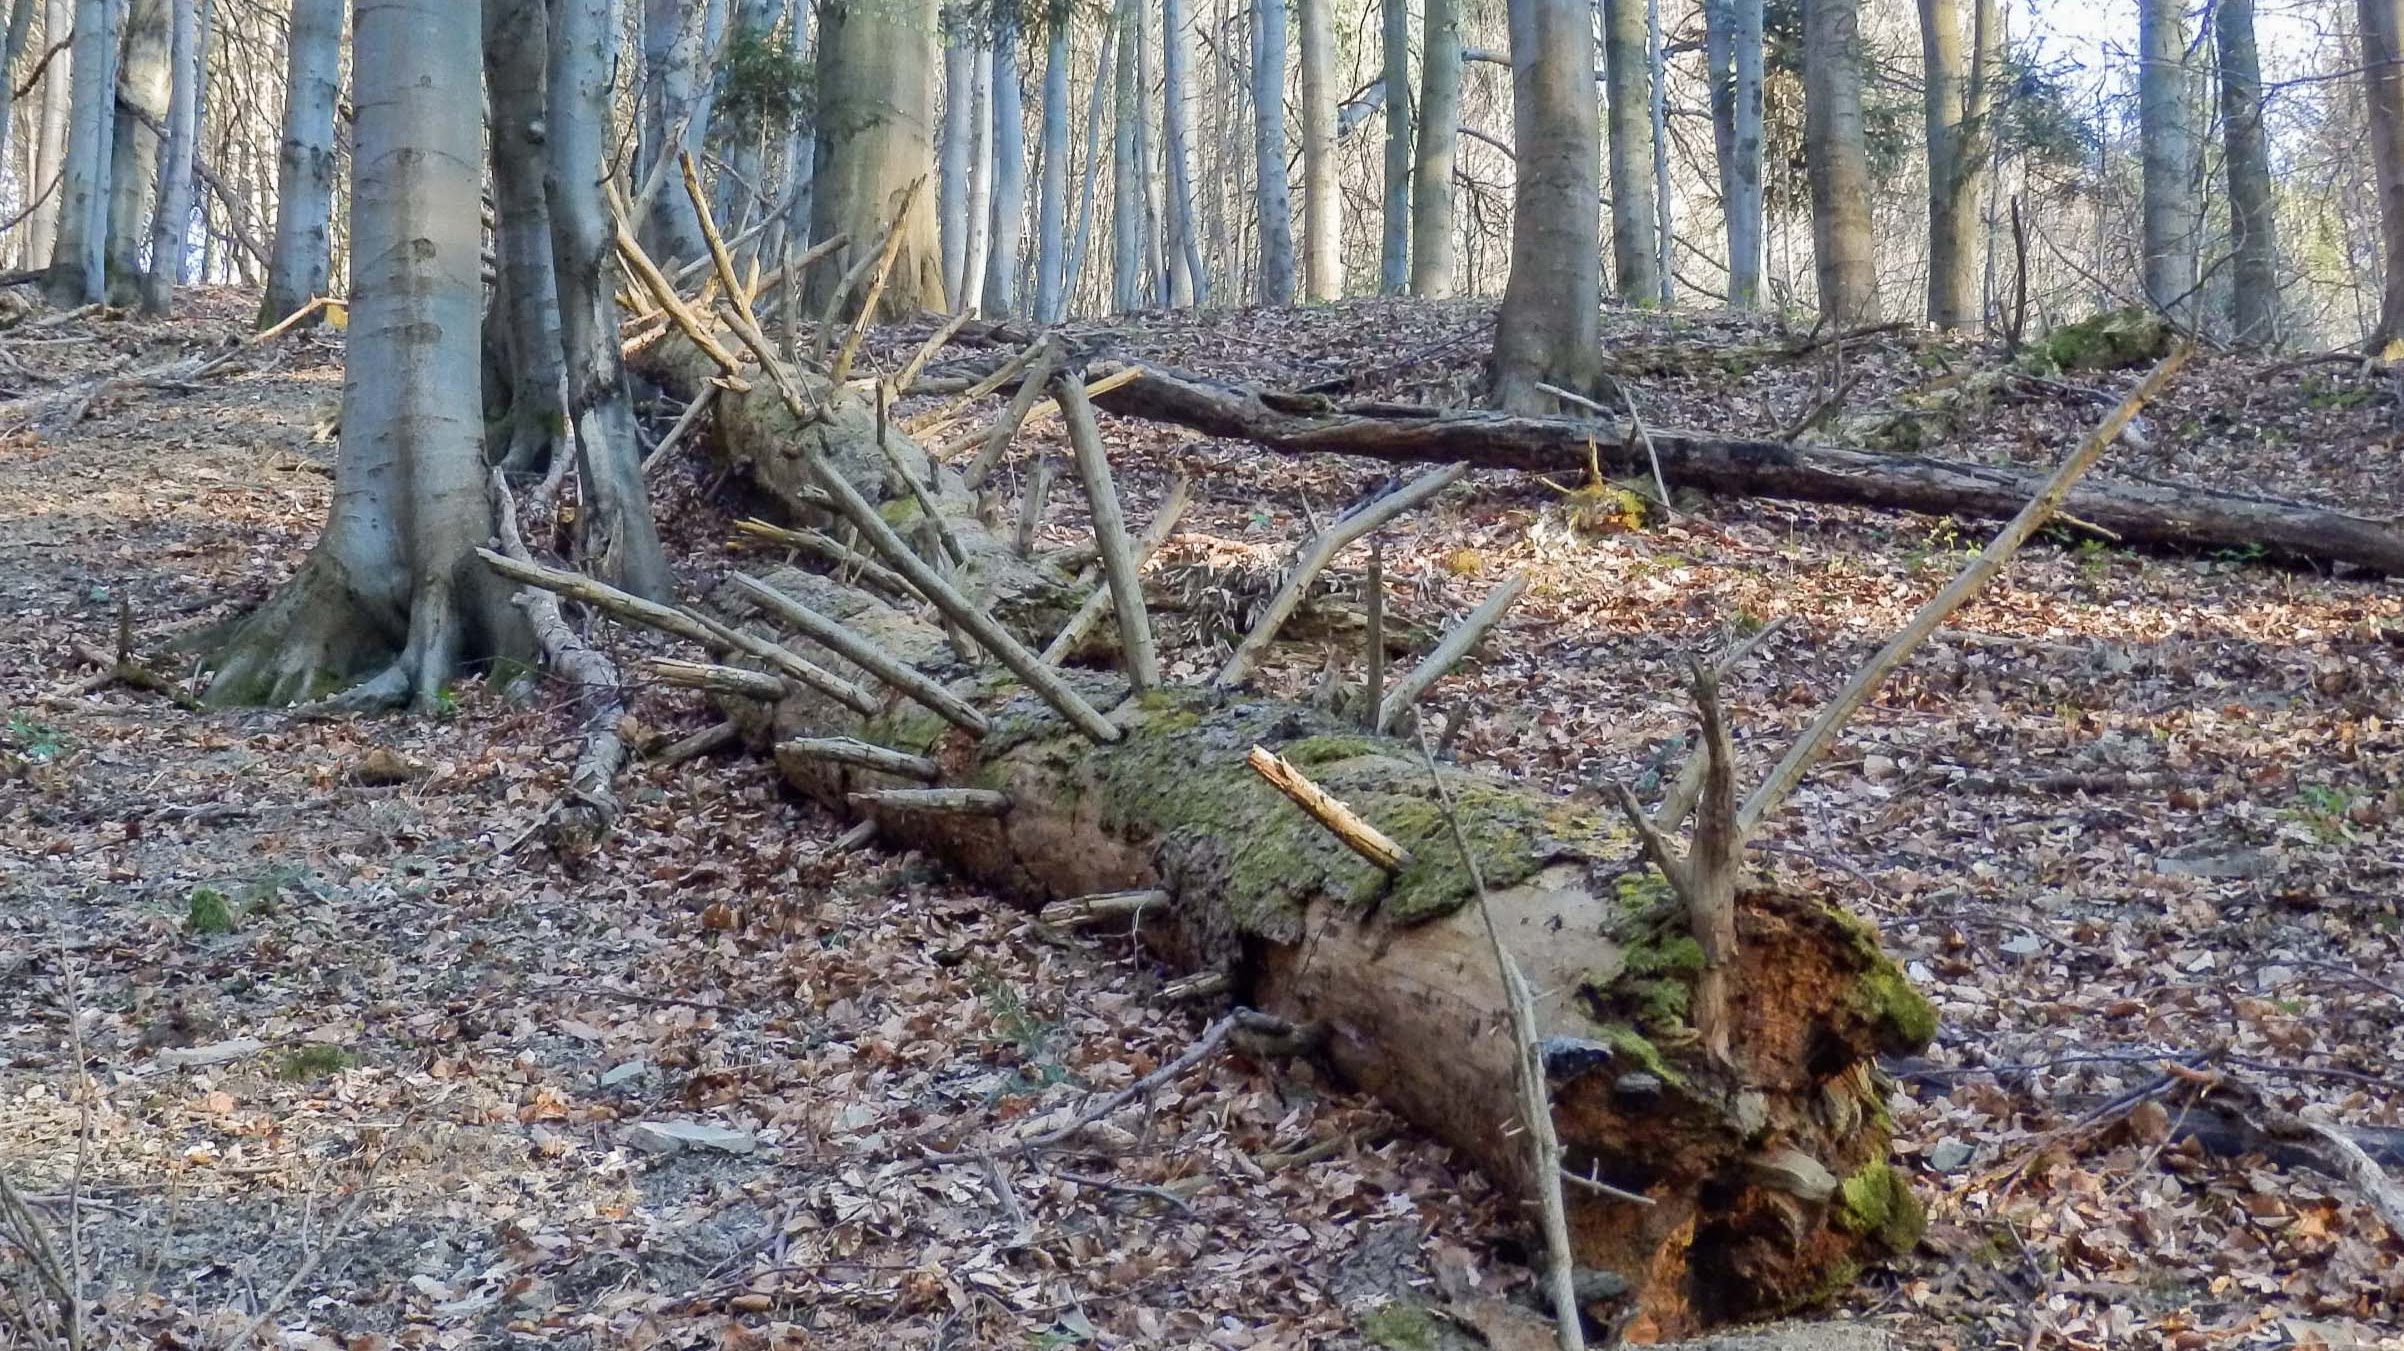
2131,809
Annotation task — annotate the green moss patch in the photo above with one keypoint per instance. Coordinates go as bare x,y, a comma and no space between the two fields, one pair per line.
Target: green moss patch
1877,1203
1399,1326
2116,338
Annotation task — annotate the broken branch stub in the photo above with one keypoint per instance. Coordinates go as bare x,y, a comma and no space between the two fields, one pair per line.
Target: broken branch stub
1330,811
1448,654
1122,570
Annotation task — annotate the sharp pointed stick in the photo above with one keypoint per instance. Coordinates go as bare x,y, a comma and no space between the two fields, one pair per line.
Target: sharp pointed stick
1373,709
1314,560
685,423
800,668
664,292
1121,569
894,234
1041,411
1711,865
844,750
736,681
833,309
1330,811
1097,602
948,330
864,654
1816,739
1687,788
929,511
1030,519
1085,912
851,561
1455,645
997,438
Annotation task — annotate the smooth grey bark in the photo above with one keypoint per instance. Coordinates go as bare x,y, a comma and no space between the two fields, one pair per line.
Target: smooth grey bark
145,86
1954,107
517,37
1664,197
1322,230
1271,198
1009,217
674,117
617,539
801,146
1439,143
12,46
754,24
951,186
1394,216
1176,134
1128,289
980,177
2382,26
1837,162
2253,216
1160,282
1628,79
393,587
1548,330
1732,44
171,226
300,261
875,125
1097,102
1051,198
78,274
2173,211
50,132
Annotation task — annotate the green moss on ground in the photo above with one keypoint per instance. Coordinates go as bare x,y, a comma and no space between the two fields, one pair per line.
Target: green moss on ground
1399,1326
1877,1203
2108,341
1882,995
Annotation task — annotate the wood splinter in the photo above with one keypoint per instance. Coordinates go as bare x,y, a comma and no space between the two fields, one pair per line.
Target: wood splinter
1342,821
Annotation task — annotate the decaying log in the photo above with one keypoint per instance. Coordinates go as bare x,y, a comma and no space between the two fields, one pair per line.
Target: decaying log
1111,907
1330,811
2142,513
1394,966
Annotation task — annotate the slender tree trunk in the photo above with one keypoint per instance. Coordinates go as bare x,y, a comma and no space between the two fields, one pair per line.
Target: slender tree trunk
145,86
1157,280
1439,138
980,178
12,46
301,260
1177,136
1954,105
1129,290
2173,216
1051,210
673,119
1394,232
173,223
1733,56
1657,67
1635,231
1009,168
394,585
617,536
50,145
517,37
876,114
1270,196
742,189
1838,162
1097,102
959,107
78,273
1322,228
2253,217
1548,331
801,145
2382,24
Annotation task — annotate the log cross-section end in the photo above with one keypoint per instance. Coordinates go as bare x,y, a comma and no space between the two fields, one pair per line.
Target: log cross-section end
1346,824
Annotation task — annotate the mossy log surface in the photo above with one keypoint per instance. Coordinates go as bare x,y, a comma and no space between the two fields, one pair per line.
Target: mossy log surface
1395,971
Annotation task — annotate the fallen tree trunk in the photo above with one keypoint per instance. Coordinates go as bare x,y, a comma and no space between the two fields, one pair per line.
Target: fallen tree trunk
2141,513
1758,1185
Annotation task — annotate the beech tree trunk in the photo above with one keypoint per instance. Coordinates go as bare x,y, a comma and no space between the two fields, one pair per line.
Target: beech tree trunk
1269,193
1838,163
875,123
300,261
1439,141
78,273
12,46
1768,1180
959,105
172,225
1954,103
1635,227
145,88
2382,24
393,591
2253,213
1130,289
2173,215
1549,328
50,145
1177,136
980,177
1009,213
1394,217
1732,60
1322,220
1051,211
674,119
517,35
616,535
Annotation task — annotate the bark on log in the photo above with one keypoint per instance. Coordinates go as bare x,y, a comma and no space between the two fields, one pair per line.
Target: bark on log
1395,970
2142,513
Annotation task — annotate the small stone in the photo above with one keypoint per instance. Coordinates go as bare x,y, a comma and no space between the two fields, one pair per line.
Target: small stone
216,1053
2023,945
1636,1087
675,1137
1566,1058
631,1069
1794,1172
1880,768
1951,1155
